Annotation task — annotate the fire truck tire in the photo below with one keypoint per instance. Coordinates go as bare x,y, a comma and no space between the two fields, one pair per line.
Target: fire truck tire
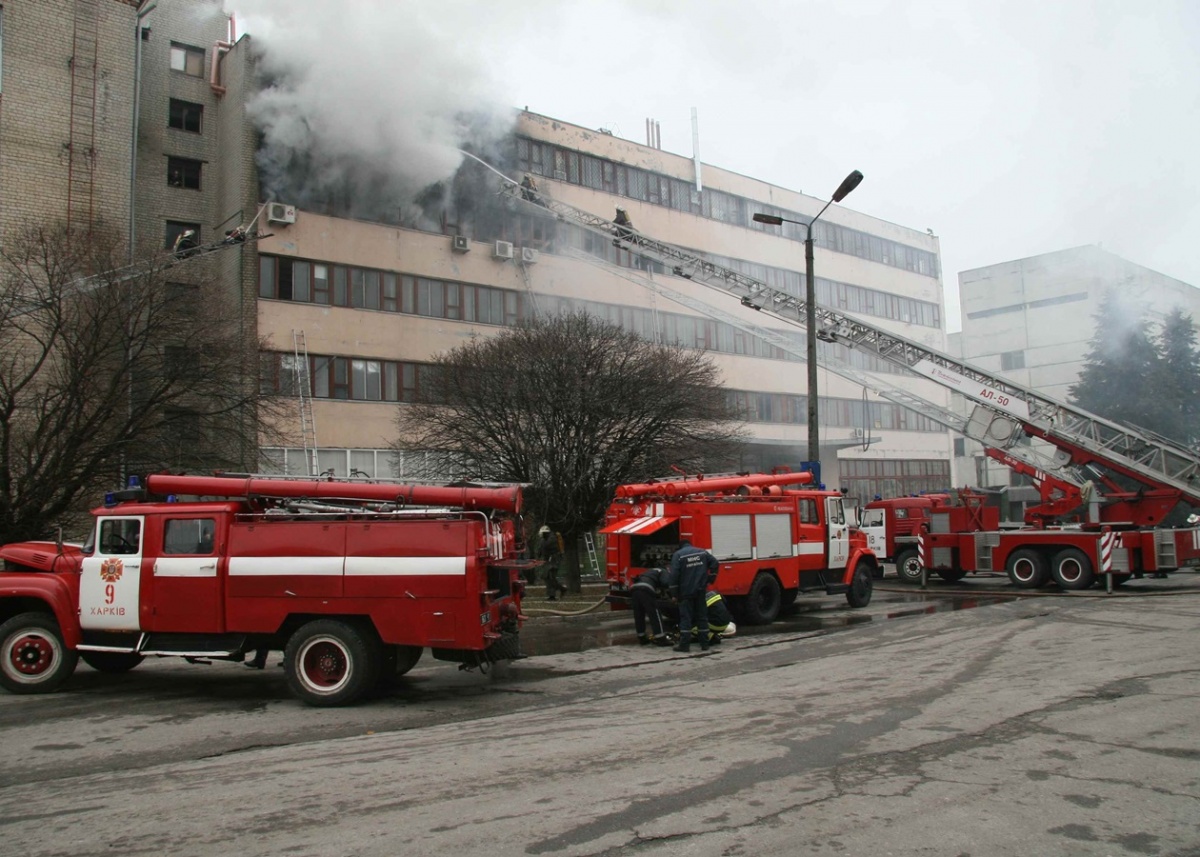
1027,569
33,656
761,605
111,662
397,660
330,662
862,584
908,567
1072,569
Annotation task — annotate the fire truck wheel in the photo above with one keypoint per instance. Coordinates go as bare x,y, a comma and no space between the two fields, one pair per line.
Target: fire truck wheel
1072,569
330,662
1026,568
908,567
761,606
33,657
862,584
111,662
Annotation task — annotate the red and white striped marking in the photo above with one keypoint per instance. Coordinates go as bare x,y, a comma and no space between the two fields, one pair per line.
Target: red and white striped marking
921,548
1106,548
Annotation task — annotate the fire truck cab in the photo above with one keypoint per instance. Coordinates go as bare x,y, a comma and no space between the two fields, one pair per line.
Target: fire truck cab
351,580
891,527
772,542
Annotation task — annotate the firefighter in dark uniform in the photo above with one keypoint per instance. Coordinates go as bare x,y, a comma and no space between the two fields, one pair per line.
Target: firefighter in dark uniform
622,227
644,593
550,552
690,570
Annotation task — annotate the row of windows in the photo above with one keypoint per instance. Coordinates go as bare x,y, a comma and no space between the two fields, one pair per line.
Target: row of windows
353,378
284,278
845,413
835,295
867,479
364,288
362,379
545,159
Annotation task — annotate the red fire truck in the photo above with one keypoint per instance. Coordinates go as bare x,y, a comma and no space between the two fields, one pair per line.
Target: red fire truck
352,580
773,542
891,525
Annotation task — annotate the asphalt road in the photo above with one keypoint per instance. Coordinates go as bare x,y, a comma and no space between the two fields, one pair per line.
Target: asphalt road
1044,726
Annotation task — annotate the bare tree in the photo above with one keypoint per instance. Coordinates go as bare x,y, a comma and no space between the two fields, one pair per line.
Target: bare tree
108,370
572,405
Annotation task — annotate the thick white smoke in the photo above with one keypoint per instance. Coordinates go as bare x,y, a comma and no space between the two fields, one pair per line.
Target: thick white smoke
366,103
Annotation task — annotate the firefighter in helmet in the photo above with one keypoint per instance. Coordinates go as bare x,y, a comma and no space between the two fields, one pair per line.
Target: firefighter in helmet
720,620
550,552
622,227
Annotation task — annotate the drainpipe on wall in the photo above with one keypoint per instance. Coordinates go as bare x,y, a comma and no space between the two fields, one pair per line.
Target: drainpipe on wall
142,12
220,48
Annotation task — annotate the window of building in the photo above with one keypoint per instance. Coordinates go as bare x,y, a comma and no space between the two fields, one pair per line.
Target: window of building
176,231
1012,360
187,59
960,447
184,173
185,115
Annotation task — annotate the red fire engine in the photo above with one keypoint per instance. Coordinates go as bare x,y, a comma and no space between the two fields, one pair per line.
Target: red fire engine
891,526
772,542
352,580
1090,520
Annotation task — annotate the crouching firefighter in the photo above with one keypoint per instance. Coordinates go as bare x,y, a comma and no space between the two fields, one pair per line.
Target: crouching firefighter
720,620
644,593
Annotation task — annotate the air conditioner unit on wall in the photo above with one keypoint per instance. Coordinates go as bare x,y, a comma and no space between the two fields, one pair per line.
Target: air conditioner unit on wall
460,244
277,212
504,250
529,255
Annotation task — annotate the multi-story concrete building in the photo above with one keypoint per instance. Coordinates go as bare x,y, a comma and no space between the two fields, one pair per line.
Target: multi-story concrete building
375,301
366,305
1033,321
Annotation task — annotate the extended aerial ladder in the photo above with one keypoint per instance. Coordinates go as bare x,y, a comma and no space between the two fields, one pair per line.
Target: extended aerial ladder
1005,413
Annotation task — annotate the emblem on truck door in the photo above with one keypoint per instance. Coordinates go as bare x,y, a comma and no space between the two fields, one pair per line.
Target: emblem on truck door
110,570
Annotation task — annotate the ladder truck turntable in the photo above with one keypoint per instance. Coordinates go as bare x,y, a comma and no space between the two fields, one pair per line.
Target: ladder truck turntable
772,541
1117,532
352,580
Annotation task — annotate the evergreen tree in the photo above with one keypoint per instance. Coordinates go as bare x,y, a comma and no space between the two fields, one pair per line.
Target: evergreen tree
1121,370
1178,390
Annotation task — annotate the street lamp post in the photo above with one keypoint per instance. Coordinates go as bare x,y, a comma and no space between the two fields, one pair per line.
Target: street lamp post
810,303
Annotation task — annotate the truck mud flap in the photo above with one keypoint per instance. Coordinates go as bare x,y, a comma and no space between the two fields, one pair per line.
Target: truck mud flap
507,648
836,588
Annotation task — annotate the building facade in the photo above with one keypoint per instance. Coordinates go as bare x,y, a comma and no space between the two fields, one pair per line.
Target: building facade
1033,321
375,301
350,312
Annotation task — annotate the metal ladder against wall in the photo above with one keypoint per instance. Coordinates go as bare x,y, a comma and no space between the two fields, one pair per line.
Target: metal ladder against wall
303,381
81,140
589,545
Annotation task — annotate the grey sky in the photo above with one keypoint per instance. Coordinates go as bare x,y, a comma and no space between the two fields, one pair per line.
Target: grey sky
1008,128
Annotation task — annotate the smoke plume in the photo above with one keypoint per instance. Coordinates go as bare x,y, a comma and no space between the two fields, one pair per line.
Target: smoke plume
364,105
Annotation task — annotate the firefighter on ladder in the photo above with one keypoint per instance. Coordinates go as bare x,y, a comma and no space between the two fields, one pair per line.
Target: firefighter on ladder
622,227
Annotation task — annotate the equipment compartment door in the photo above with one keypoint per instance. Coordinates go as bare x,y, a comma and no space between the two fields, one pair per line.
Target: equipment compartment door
839,532
110,579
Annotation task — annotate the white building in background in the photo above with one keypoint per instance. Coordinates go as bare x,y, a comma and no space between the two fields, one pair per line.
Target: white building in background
1033,321
376,302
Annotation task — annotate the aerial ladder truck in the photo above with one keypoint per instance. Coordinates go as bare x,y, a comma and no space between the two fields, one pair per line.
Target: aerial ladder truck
1117,533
